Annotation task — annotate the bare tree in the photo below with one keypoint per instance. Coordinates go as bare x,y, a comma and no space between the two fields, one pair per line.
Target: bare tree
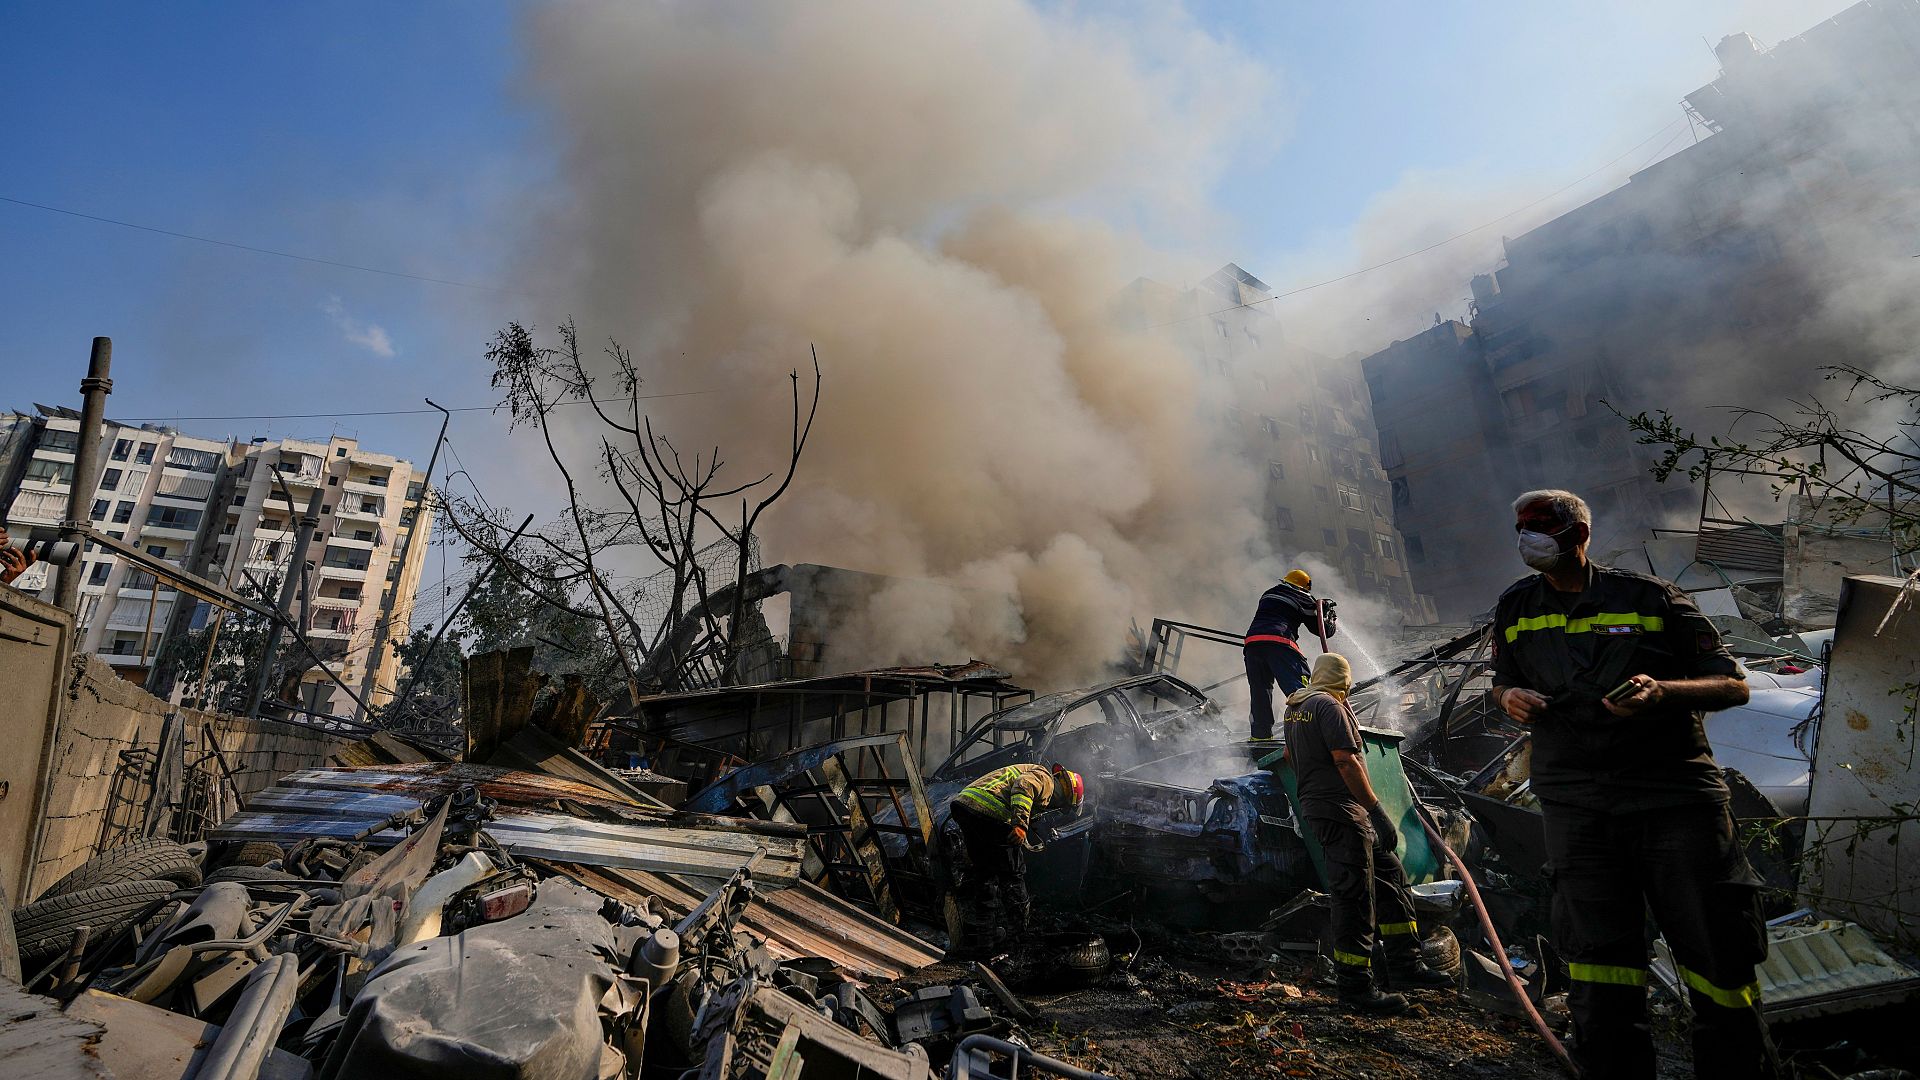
674,508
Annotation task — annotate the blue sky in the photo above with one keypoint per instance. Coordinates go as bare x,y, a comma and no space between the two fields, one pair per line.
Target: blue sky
395,136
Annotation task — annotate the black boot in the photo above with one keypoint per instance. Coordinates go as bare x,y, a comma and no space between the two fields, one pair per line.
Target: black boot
1358,993
1416,975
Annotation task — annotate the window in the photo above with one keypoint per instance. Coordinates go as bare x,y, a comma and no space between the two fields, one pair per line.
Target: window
349,592
110,480
1328,538
1402,494
1276,470
1359,540
1351,499
158,551
172,517
416,489
98,575
239,499
339,451
1384,544
144,455
50,472
193,460
326,508
406,517
55,439
1321,494
100,509
333,481
121,448
1272,425
363,534
1283,519
123,513
1416,551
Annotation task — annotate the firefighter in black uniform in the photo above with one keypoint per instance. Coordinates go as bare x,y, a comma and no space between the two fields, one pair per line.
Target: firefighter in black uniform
1611,670
1272,645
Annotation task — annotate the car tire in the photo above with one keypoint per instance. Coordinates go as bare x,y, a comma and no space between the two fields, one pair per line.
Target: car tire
142,860
45,927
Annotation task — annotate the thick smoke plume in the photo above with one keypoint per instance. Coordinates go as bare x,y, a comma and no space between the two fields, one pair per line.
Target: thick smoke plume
916,189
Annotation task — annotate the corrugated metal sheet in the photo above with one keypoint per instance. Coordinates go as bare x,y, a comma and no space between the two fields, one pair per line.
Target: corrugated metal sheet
804,920
1821,968
531,819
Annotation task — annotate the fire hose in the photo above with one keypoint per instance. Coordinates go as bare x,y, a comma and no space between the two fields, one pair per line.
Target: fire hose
1493,937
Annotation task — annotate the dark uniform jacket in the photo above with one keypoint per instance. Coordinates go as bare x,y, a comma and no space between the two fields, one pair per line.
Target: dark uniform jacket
1574,649
1315,728
1283,610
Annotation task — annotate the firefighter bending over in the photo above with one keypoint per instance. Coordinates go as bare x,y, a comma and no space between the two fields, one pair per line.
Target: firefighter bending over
994,814
1611,670
1357,837
1272,649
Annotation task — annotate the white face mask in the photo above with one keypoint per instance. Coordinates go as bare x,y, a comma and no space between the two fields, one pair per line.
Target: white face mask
1540,550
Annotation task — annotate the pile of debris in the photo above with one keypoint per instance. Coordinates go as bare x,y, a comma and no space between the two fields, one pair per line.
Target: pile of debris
446,919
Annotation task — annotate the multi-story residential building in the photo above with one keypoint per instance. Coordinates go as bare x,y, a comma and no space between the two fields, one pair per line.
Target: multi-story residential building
220,510
1725,274
1301,419
355,576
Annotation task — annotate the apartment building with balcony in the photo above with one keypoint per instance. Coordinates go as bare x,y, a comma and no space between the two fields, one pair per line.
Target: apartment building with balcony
220,509
151,491
361,569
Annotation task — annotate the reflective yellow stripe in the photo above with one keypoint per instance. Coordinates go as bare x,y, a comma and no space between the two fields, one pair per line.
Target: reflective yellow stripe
1738,998
1352,959
1607,973
1023,801
1649,623
1391,928
985,800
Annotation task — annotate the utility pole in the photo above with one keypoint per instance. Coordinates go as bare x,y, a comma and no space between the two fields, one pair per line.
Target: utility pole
86,463
289,588
386,605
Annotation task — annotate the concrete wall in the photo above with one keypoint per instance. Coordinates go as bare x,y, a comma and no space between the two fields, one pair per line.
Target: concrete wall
1826,540
1867,765
66,722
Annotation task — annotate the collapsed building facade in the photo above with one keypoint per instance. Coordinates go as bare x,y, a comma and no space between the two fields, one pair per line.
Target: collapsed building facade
1724,274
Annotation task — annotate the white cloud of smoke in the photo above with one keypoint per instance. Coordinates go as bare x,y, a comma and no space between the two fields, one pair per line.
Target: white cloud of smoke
916,189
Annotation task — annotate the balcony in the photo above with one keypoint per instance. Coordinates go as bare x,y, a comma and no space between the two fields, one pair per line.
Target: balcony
364,487
169,532
343,573
131,614
132,659
359,510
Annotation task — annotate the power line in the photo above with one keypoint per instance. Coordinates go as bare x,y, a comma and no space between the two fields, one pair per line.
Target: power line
1436,244
249,247
399,412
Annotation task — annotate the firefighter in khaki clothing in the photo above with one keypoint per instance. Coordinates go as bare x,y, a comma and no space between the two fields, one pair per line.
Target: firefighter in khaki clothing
994,813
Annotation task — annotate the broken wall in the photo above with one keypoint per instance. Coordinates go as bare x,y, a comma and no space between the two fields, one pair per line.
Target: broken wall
1827,539
1865,786
100,717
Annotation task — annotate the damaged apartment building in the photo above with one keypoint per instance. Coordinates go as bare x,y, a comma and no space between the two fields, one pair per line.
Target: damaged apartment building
1301,418
1724,274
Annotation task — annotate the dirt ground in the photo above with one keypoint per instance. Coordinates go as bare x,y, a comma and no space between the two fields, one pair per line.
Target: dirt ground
1196,1020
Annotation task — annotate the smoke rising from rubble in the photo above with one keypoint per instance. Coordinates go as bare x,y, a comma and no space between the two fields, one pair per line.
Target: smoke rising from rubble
914,189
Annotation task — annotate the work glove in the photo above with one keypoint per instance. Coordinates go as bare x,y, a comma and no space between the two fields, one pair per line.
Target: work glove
1020,837
1385,836
1327,617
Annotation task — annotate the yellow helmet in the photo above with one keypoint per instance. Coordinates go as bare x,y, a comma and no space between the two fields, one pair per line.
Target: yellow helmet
1299,579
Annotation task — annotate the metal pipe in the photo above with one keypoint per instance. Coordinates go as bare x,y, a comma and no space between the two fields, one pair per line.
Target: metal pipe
386,604
288,587
86,464
1021,1055
254,1025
